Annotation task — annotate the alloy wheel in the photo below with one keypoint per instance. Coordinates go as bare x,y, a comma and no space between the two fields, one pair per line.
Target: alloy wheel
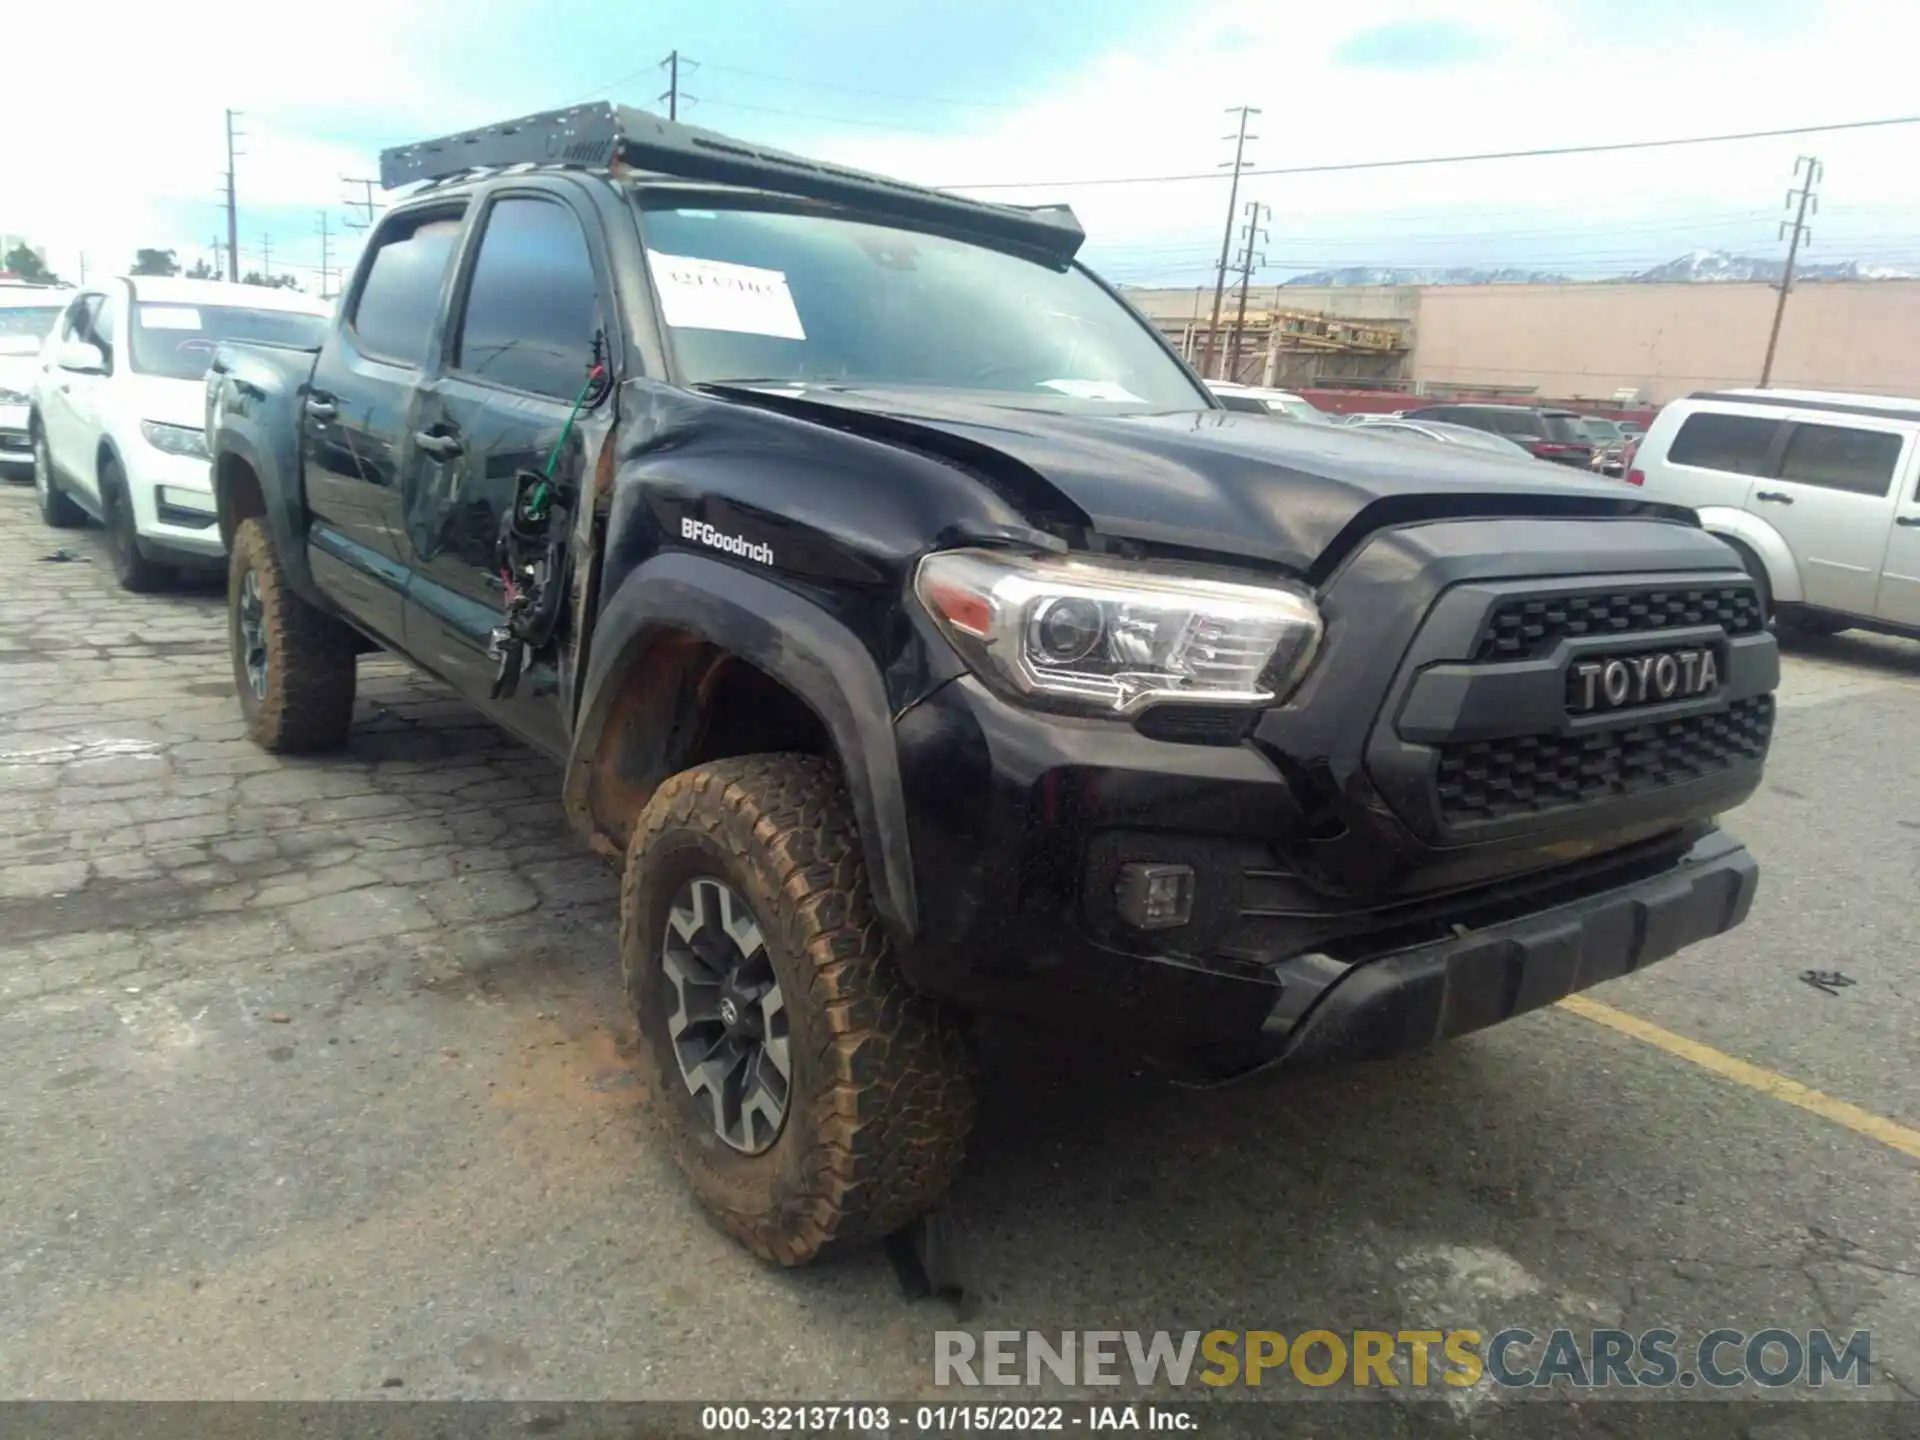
728,1024
253,634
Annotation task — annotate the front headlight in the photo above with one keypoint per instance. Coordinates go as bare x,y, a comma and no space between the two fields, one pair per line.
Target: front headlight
176,439
1115,638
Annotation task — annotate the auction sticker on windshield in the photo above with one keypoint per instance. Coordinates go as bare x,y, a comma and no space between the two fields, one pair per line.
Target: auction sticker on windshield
169,317
714,295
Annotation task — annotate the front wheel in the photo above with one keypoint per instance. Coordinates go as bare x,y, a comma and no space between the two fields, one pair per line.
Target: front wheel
293,665
133,570
811,1099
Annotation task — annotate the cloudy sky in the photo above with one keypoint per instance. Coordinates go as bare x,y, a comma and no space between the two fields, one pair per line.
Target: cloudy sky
1048,94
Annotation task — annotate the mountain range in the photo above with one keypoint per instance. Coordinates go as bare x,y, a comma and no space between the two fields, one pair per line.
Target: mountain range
1698,267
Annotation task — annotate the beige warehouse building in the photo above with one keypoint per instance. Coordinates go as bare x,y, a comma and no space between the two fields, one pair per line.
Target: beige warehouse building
1593,341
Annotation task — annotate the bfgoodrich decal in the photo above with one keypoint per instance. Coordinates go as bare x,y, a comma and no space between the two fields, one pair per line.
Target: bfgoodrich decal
701,533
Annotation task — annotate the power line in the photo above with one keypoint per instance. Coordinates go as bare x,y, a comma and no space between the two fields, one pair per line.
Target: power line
1248,258
1226,241
1553,150
366,203
672,66
233,209
824,119
1804,196
858,89
326,255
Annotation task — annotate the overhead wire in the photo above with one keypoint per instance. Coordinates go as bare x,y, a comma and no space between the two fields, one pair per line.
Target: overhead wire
1344,167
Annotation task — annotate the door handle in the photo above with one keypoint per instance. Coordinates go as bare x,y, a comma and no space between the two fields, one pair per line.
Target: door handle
441,447
321,409
1908,520
1774,495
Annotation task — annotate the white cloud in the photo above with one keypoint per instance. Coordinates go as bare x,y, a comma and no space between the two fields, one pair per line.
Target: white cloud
1555,79
113,160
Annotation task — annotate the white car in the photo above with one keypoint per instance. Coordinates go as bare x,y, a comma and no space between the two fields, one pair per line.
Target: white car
1818,492
119,411
27,313
1257,399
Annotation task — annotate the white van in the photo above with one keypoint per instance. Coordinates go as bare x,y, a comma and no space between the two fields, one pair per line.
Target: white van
1819,492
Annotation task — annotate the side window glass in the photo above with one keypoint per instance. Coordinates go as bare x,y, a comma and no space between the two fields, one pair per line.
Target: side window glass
394,312
1737,444
532,301
73,326
1837,457
102,328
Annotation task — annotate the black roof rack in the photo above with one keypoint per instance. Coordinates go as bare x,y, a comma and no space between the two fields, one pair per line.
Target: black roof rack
605,136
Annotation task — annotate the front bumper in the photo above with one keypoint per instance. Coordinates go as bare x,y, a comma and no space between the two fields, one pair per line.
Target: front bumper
16,450
1333,1010
1427,776
173,506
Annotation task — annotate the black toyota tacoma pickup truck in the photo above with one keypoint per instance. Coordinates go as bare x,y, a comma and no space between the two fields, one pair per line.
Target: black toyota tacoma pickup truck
931,643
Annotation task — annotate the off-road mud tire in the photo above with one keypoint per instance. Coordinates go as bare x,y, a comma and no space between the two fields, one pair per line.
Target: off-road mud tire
308,705
883,1092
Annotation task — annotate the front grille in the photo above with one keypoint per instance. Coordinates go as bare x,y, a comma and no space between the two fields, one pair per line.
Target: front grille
1523,628
1495,779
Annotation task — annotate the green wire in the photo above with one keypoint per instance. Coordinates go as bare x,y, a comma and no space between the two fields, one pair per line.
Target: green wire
537,507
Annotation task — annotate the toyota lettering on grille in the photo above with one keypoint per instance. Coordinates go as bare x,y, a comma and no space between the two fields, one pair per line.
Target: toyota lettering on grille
1626,682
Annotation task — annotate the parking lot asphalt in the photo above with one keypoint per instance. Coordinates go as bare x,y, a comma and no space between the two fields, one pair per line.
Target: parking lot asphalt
318,1084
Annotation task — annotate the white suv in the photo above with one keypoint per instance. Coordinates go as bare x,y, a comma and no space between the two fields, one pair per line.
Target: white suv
27,313
1819,492
119,411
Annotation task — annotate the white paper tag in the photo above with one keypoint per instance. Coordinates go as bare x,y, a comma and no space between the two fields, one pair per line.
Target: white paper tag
169,317
1092,390
713,295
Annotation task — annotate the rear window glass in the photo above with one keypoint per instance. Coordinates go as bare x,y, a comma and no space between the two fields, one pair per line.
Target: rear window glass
1737,444
1567,429
1507,422
394,314
1241,402
1837,457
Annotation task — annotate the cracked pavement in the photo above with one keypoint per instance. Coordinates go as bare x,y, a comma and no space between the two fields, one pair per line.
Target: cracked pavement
318,1085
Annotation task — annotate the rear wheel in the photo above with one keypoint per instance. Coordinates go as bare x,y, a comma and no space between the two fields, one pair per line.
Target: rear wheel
811,1099
293,665
57,508
133,570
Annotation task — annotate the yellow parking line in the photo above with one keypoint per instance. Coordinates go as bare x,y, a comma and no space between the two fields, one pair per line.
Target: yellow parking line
1864,1122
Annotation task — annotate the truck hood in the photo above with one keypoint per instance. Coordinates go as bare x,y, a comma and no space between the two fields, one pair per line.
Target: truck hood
1219,481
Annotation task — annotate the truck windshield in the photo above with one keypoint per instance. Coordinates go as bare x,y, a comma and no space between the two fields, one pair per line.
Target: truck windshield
777,296
178,341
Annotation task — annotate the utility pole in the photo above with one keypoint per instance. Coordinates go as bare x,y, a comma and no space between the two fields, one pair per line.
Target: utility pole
1226,241
233,209
83,267
266,258
672,94
1254,232
218,268
326,255
366,204
1809,172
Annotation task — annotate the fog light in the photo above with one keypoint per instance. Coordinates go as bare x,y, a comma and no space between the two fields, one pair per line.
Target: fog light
1154,897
